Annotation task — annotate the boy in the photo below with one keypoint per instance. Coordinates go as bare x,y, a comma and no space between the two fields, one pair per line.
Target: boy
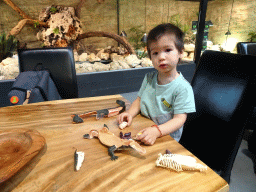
165,96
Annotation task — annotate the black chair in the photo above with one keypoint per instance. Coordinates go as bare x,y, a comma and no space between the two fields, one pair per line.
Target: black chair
249,48
59,61
246,48
224,97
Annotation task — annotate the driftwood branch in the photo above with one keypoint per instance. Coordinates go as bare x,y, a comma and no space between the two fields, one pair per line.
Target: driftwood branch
17,9
16,30
29,21
119,39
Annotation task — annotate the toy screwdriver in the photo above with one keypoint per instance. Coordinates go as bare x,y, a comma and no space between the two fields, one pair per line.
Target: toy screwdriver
78,118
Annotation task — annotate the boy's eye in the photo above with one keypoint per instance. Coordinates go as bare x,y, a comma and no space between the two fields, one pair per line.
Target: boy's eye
168,50
154,53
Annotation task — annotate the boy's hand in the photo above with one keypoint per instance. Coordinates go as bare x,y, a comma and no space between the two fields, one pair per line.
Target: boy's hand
148,135
125,117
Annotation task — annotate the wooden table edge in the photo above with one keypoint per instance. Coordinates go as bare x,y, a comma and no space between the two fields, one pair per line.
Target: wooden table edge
96,98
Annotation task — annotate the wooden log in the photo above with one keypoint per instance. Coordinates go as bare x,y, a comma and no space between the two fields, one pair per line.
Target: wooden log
17,29
116,37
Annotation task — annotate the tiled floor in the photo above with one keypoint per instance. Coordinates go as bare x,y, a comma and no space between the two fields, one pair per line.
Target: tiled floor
243,178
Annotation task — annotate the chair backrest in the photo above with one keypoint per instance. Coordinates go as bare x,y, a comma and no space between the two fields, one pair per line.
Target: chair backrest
59,61
246,48
224,88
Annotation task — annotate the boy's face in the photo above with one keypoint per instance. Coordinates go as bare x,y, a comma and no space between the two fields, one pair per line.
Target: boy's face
164,54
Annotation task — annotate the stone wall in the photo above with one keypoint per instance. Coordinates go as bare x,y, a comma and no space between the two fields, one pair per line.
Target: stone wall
242,20
148,13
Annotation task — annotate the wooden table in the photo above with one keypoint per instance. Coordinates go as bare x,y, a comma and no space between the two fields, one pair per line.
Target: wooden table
53,168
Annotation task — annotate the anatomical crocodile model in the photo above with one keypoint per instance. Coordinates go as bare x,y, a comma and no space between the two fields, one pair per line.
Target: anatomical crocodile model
179,162
115,143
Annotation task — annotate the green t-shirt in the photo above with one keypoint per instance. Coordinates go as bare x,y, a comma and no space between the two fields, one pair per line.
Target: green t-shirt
161,102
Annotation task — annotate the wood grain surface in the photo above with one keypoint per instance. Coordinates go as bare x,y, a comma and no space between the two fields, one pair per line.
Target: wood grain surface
17,148
53,168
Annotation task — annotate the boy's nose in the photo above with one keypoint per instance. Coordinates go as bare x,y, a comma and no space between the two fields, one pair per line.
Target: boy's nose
161,56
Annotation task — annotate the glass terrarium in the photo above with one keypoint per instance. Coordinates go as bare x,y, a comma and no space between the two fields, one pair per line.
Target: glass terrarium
106,35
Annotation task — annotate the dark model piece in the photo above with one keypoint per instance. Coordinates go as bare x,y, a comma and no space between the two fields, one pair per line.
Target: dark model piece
100,113
125,136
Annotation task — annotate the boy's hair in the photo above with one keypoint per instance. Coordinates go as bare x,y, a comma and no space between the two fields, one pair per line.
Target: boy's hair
163,29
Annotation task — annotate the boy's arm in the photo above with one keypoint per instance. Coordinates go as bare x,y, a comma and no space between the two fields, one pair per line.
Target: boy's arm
134,110
174,124
150,134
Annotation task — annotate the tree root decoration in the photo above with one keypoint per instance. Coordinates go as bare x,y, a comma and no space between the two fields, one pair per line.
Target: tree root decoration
17,9
17,29
116,37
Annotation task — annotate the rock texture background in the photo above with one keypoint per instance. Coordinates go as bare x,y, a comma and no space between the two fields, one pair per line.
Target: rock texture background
9,68
64,26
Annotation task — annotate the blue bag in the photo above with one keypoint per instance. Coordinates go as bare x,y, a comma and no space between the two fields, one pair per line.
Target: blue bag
33,87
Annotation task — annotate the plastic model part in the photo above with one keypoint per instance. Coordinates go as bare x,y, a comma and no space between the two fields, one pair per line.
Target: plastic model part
78,118
79,158
179,163
113,142
123,125
125,136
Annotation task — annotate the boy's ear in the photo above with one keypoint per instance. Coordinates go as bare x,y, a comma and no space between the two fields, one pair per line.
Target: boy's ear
149,54
182,54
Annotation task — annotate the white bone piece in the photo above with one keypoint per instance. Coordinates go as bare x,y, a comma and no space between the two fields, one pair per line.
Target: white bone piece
123,125
79,158
179,162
